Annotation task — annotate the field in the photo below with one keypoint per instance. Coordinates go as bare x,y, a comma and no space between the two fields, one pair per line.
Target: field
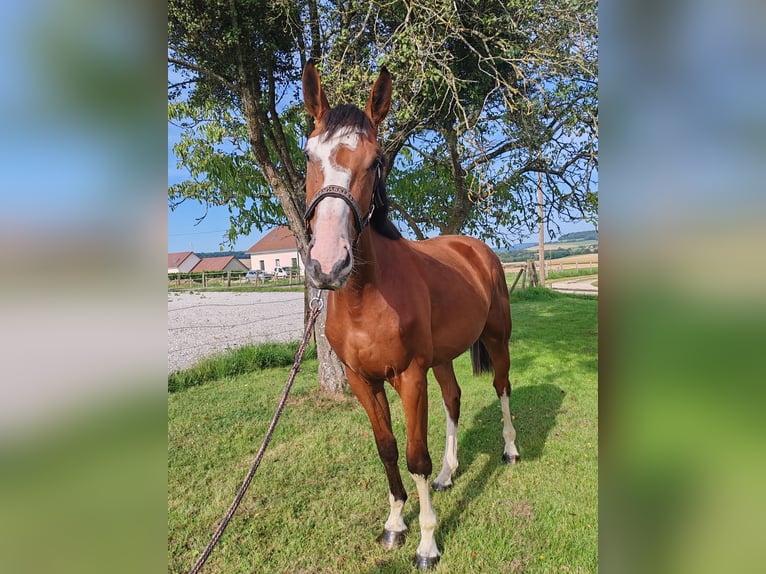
583,260
320,497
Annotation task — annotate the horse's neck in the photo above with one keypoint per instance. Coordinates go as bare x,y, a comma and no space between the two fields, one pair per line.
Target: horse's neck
366,276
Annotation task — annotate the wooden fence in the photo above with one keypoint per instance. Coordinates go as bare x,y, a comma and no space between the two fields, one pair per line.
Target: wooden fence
228,279
528,271
554,266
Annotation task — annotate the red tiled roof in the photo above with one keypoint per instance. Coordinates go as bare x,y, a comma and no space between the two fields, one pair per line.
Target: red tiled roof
278,239
214,263
175,259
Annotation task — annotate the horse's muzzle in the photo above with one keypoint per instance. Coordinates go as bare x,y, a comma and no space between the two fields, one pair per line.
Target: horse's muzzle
333,280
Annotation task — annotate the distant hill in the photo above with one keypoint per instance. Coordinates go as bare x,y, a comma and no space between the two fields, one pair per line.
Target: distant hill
579,236
577,243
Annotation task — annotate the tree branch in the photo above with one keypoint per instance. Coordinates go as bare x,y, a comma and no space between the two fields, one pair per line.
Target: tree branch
408,219
204,71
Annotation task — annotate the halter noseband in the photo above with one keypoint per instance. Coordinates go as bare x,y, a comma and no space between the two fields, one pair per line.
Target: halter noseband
360,221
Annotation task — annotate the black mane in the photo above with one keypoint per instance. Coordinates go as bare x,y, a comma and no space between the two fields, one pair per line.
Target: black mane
379,220
347,116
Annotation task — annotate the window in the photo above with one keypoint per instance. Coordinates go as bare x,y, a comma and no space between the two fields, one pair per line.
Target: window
262,265
294,263
276,263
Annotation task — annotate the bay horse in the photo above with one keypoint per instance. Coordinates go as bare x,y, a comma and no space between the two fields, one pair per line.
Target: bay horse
397,308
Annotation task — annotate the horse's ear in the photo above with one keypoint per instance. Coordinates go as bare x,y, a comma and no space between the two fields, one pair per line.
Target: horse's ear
313,95
380,98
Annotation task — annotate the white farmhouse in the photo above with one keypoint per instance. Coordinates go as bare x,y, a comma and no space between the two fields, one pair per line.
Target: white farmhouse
277,248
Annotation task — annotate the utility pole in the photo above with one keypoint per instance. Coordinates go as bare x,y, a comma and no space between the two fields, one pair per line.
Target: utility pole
541,240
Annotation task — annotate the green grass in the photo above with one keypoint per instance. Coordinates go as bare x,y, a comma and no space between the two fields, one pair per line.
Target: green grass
320,496
236,362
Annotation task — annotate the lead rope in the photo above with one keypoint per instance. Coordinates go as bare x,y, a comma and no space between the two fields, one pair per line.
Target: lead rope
315,305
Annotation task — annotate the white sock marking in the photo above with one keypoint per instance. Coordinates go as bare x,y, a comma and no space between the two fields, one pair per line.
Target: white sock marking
509,433
450,462
395,522
427,546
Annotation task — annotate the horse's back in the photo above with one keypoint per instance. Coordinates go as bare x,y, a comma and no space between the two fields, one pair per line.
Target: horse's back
465,282
461,256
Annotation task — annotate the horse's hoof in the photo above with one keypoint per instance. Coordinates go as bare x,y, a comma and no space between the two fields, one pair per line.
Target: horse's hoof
511,459
390,539
425,562
441,487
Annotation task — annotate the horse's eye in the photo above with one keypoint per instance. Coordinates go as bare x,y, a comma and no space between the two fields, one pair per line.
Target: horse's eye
306,155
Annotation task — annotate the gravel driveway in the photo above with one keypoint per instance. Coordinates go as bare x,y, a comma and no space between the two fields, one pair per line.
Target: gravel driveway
580,285
203,324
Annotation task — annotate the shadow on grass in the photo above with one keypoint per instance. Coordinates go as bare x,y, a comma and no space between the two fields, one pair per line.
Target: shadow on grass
534,409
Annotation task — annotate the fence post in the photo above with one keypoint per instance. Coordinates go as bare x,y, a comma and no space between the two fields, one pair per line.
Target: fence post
534,280
228,278
518,275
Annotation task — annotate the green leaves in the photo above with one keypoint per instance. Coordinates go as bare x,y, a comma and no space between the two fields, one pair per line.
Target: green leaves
214,149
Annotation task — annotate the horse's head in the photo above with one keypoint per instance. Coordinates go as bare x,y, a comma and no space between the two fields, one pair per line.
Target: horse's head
343,164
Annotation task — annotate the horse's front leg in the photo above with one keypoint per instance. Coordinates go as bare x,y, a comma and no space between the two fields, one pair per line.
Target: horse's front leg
413,389
372,395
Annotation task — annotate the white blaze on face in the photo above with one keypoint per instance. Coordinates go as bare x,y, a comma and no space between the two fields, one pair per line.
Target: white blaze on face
331,237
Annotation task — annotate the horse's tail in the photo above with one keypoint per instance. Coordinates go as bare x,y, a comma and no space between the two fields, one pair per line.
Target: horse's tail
480,359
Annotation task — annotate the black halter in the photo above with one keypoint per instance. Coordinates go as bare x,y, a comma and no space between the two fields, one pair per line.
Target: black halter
360,221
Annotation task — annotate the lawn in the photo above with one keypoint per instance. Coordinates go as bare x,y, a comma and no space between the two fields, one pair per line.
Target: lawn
320,497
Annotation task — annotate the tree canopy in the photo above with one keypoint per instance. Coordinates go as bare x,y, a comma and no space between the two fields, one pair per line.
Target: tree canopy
487,94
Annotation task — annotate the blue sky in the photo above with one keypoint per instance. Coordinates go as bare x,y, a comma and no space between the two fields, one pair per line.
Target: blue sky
184,233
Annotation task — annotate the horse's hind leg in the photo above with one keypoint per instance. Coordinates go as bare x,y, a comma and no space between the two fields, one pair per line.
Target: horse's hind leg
373,399
501,362
495,337
445,375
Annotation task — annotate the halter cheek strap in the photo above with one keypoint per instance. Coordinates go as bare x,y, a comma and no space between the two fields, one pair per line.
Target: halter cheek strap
360,221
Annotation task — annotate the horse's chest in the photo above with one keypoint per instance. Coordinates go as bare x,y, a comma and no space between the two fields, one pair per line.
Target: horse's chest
375,348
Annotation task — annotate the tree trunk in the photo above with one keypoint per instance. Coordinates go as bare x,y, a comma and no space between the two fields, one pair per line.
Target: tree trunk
332,376
461,205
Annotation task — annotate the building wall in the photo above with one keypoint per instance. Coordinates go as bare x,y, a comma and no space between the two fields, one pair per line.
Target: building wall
235,265
268,261
186,265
